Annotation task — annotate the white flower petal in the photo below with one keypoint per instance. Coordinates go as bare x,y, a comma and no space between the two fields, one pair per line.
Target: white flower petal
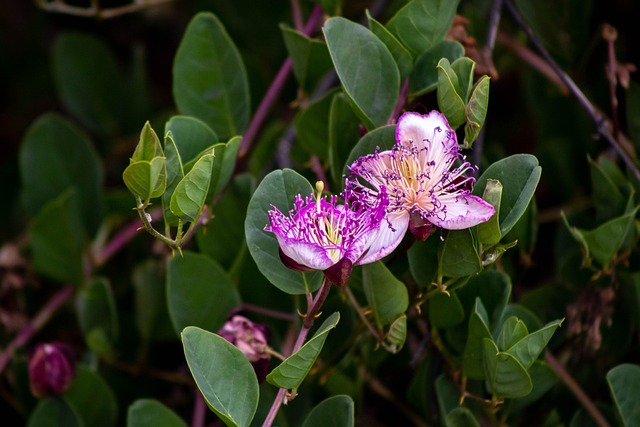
460,212
387,238
308,254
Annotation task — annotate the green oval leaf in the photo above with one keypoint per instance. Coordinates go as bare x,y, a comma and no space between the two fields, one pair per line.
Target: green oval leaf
395,338
424,77
624,385
445,310
461,417
223,374
96,308
335,411
149,412
290,373
423,261
148,147
146,180
175,173
54,156
92,399
459,256
310,58
489,231
191,135
473,350
420,24
344,131
366,69
513,330
401,55
450,101
279,189
150,298
189,196
209,78
199,292
53,412
506,377
519,175
312,129
476,110
57,242
527,350
386,295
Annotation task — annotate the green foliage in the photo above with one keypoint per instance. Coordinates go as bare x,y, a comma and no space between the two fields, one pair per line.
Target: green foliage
623,385
334,411
145,412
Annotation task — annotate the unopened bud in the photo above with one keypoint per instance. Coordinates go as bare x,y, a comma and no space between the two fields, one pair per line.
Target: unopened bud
251,339
51,369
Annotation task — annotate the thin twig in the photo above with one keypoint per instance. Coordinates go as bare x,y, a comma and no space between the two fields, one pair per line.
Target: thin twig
490,40
577,391
95,11
609,34
58,299
268,312
599,120
376,334
275,89
402,99
296,15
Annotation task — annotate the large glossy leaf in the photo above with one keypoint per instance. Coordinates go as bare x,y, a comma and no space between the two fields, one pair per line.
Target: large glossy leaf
459,256
420,24
519,175
335,411
97,315
189,195
505,375
527,349
209,78
56,241
89,83
543,379
424,77
366,69
223,374
382,138
92,399
175,173
148,147
191,135
624,385
53,412
344,133
402,56
387,296
150,412
474,349
199,292
278,189
54,156
312,127
423,261
310,58
450,101
476,110
290,373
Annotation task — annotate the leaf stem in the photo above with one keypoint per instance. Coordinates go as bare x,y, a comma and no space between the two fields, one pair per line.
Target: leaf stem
575,388
58,299
307,323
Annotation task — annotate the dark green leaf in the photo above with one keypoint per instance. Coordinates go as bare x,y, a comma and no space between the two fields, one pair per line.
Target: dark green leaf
199,292
447,394
493,288
312,129
175,173
190,193
344,132
290,373
472,364
489,232
608,199
395,338
461,417
224,164
53,412
148,147
383,138
450,102
624,385
278,189
192,136
519,175
149,412
89,83
152,317
505,375
527,349
92,399
223,374
423,261
366,69
459,256
543,378
402,56
335,411
209,78
476,110
310,58
445,310
386,295
57,241
54,156
513,330
97,313
420,24
424,77
463,68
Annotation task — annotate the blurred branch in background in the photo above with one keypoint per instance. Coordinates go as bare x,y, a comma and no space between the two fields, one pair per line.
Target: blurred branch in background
94,10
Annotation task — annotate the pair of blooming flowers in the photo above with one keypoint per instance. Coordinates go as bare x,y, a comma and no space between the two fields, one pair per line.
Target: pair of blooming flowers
411,187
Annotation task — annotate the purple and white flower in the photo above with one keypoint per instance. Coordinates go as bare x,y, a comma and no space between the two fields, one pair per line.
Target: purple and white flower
321,234
424,191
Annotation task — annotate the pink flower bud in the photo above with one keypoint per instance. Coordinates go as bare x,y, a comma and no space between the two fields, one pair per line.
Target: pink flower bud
51,369
251,340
